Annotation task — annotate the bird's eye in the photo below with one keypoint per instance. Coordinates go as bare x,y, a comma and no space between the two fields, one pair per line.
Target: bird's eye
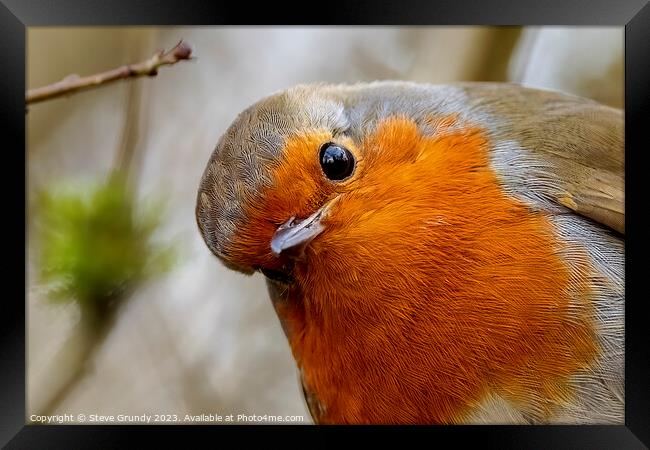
337,162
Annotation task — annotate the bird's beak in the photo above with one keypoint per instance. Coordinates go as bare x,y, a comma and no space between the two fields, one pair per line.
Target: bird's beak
294,234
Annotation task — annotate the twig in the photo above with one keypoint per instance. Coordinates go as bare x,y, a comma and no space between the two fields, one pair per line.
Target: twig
75,83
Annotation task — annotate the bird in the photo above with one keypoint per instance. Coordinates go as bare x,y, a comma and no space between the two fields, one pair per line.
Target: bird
435,253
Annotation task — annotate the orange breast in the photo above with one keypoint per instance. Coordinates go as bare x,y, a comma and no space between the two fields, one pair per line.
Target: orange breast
430,286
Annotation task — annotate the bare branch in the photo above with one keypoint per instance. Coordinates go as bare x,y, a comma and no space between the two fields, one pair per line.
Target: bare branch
75,83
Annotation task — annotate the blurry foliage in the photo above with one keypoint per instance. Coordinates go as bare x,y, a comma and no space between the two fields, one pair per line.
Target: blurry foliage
96,243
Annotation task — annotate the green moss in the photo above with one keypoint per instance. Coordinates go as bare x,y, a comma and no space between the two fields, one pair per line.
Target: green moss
96,242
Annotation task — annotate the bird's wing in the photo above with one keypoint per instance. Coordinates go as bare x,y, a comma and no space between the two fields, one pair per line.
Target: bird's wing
575,148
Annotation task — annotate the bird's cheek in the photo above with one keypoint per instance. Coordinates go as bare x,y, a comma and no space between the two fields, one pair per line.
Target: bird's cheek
250,247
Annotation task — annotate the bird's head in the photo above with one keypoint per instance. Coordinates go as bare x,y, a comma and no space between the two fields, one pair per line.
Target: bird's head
265,192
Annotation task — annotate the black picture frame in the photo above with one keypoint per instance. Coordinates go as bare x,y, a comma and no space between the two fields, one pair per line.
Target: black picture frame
16,15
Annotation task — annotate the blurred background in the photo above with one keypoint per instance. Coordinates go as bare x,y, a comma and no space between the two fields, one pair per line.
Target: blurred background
127,310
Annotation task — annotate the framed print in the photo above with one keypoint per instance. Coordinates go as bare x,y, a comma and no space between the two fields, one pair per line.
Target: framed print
440,201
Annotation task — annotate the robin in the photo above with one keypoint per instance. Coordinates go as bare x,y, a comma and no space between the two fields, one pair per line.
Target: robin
442,254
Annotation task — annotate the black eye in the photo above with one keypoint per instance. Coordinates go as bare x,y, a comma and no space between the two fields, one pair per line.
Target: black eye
337,162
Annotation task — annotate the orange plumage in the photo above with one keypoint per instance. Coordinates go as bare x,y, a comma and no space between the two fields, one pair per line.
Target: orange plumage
433,295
